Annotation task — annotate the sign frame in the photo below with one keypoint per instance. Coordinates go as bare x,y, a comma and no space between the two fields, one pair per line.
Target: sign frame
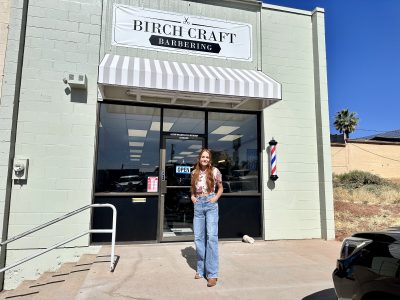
180,33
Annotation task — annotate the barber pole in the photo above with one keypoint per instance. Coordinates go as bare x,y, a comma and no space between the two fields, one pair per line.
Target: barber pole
272,147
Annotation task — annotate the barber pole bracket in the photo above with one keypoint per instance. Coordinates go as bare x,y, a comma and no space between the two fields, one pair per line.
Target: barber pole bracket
272,148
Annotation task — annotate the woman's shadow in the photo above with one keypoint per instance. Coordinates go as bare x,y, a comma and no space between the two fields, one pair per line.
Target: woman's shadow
190,255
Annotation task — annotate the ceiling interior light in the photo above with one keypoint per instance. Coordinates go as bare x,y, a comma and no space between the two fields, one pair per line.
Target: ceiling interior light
136,144
137,132
224,129
155,126
230,137
135,150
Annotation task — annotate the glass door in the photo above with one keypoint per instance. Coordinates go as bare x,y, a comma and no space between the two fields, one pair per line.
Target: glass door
178,159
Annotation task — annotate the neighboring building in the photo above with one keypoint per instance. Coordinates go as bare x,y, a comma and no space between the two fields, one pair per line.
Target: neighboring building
377,154
388,136
117,97
337,138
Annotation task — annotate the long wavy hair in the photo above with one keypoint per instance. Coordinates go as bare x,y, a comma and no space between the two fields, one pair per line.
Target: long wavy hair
209,173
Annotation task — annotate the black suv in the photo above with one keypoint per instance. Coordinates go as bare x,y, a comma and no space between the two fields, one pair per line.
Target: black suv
369,266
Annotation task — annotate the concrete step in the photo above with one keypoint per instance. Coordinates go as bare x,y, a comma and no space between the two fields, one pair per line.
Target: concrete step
61,284
86,261
70,280
46,279
77,276
26,284
21,292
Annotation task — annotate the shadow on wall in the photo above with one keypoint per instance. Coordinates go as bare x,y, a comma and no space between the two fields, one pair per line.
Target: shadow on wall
77,95
328,294
271,184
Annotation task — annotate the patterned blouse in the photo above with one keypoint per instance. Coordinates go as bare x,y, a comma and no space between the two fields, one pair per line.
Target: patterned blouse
201,184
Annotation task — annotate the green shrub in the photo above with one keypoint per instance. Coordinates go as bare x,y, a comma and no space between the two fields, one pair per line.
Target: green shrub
356,179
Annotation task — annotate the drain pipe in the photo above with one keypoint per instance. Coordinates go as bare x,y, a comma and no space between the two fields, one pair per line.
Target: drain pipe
13,136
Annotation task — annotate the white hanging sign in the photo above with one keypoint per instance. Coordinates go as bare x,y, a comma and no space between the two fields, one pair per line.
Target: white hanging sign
152,184
166,31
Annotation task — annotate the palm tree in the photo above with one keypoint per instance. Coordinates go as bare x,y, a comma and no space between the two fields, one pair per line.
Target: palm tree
346,122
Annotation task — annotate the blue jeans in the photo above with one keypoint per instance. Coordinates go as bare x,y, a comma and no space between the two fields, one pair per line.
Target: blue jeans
205,227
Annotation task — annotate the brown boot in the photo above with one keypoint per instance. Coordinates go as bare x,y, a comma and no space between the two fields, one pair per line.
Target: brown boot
211,282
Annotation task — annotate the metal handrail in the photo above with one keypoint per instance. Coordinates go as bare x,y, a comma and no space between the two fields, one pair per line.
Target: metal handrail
112,231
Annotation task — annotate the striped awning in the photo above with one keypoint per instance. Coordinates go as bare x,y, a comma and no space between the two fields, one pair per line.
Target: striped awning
144,73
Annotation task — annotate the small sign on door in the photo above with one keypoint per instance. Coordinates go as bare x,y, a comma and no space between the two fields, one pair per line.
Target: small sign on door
182,169
152,184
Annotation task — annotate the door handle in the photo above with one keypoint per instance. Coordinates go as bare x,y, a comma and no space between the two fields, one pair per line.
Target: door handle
163,187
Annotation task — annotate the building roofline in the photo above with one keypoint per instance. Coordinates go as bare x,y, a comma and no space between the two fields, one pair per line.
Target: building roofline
292,10
358,141
249,2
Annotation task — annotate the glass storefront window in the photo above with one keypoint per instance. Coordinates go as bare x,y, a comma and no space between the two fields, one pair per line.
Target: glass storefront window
232,138
184,121
128,148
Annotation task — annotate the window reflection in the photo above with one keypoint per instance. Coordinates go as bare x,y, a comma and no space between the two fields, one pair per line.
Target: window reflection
181,156
184,121
233,140
128,149
129,145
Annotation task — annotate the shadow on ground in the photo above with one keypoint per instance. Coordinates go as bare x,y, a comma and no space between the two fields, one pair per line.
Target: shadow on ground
328,294
190,255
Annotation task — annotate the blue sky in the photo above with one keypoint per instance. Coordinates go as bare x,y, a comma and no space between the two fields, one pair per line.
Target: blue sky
363,56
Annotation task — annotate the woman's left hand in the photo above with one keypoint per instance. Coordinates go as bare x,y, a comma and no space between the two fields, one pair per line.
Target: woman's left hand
213,200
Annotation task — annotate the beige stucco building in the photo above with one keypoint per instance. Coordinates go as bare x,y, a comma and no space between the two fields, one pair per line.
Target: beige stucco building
377,157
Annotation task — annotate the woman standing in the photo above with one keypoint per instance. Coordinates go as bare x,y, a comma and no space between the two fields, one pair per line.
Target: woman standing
205,222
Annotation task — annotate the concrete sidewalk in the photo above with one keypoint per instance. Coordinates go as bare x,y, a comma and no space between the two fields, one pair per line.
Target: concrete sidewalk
299,269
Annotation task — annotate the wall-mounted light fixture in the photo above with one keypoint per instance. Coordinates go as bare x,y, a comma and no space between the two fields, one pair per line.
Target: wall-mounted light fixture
272,148
20,168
